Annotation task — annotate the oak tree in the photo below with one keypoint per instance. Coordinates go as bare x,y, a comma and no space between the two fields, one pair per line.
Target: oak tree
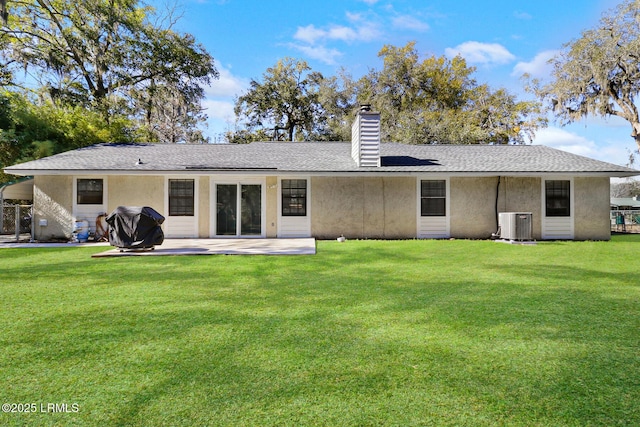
437,100
104,53
284,104
599,72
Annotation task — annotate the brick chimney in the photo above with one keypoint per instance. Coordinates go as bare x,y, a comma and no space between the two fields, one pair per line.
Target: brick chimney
365,137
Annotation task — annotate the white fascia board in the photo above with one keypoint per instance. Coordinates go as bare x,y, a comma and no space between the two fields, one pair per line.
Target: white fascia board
275,172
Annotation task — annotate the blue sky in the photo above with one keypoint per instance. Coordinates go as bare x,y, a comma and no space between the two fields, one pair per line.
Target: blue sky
502,38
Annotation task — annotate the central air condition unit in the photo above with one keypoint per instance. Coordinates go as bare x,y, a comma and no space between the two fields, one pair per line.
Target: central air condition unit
515,225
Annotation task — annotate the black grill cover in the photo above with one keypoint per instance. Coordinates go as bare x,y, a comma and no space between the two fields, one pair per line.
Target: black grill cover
135,227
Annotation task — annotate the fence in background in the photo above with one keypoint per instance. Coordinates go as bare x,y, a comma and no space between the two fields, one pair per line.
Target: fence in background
627,221
15,220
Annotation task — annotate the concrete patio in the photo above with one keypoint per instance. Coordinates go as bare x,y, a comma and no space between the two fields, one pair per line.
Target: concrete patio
303,246
222,247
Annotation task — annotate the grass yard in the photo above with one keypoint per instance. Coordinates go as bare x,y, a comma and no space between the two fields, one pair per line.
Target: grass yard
365,333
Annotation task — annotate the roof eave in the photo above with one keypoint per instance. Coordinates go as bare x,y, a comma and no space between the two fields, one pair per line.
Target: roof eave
355,172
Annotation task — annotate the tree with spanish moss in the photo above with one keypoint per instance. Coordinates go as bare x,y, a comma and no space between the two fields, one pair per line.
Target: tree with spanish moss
598,73
283,106
108,55
437,100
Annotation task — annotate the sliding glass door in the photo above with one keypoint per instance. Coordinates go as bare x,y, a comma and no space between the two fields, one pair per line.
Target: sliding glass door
238,210
251,210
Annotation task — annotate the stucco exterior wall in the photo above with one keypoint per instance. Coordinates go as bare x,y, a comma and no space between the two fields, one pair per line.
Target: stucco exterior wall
271,208
592,201
473,204
53,202
357,207
362,207
203,207
523,195
473,213
135,191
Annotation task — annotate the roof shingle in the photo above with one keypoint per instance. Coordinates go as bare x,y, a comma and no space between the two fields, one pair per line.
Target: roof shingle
317,157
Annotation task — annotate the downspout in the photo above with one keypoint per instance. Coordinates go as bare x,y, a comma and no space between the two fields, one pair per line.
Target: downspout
497,198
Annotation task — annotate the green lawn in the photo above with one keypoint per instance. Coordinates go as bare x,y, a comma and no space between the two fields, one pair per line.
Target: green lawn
365,333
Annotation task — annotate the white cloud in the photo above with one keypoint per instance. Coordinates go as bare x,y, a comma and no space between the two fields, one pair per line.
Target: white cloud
312,35
354,17
370,2
309,34
410,23
312,41
538,67
368,31
588,139
227,85
219,109
522,15
339,32
566,141
481,53
321,53
220,99
220,118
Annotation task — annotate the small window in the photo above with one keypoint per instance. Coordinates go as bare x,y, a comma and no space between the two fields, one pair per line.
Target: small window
433,198
294,197
558,198
181,200
89,191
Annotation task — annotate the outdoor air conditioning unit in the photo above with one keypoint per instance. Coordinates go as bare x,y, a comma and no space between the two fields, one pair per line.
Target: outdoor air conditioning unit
515,225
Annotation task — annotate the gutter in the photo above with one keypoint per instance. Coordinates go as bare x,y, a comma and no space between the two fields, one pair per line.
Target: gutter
373,172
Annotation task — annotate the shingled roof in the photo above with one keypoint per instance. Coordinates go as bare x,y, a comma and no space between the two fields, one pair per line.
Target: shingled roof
315,157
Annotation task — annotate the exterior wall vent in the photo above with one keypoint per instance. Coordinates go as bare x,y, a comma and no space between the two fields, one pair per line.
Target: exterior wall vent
515,225
365,138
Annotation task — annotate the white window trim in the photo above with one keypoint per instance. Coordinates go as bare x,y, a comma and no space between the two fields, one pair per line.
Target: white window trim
196,203
569,219
105,193
446,232
283,219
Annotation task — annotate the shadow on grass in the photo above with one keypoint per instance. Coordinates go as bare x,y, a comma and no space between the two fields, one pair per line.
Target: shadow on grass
360,335
329,350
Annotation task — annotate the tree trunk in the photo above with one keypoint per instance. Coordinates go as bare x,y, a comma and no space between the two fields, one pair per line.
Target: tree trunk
636,133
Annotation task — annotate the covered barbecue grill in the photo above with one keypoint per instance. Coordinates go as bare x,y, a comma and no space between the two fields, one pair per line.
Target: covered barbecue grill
135,227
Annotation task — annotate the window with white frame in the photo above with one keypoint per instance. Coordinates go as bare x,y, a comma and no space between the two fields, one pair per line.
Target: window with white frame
294,197
181,197
433,197
89,191
558,198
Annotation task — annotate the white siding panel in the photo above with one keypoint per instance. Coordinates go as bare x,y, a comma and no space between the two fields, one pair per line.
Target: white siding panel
558,228
180,226
89,213
365,139
293,226
553,227
432,227
355,141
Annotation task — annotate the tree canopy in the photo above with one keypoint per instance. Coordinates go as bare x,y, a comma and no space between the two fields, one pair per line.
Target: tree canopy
29,130
435,100
284,105
599,72
79,72
112,56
